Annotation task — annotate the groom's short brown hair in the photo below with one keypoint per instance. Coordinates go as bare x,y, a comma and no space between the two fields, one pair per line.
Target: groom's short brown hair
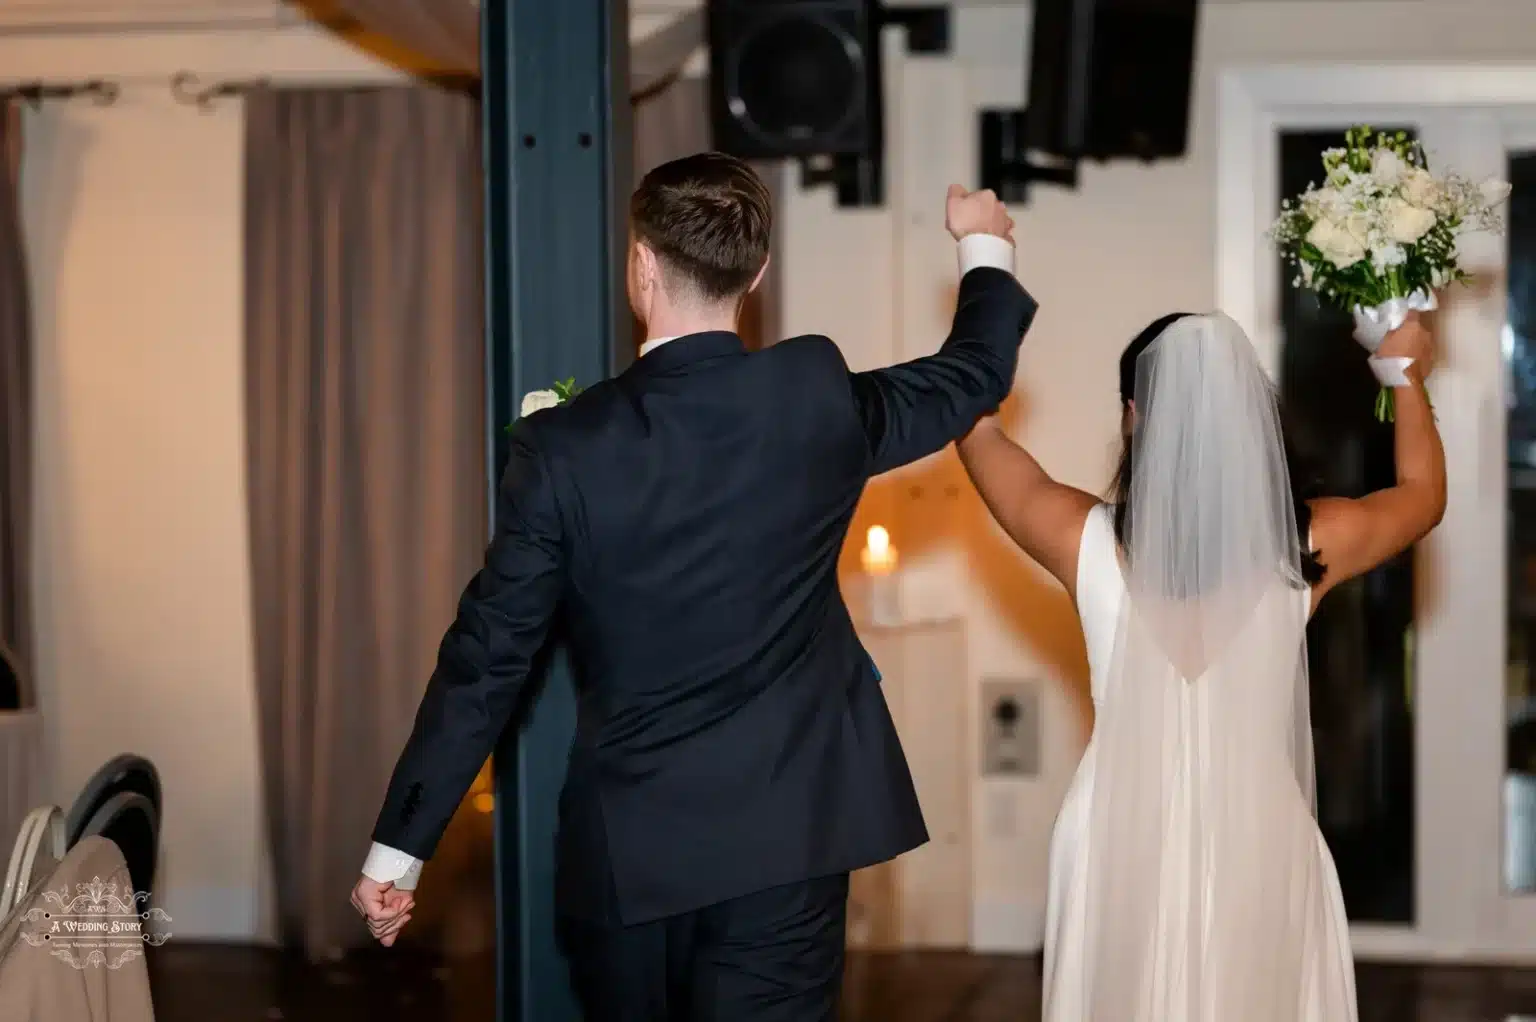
708,217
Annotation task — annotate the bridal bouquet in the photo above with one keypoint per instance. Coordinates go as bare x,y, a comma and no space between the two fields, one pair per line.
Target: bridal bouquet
1379,237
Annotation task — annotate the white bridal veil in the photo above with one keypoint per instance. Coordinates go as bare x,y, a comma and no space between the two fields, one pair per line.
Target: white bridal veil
1203,859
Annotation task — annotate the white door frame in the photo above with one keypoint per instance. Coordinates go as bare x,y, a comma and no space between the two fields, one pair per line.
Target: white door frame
1462,912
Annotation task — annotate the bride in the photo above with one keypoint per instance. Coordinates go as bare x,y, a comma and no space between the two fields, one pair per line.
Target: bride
1188,880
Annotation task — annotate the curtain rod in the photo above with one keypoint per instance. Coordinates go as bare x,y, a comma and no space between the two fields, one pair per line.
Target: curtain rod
185,86
103,93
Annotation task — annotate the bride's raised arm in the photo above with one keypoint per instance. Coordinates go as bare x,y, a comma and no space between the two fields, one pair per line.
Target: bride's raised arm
1044,517
1353,536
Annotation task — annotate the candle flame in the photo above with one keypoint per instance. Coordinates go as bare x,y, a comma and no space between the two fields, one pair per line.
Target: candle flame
877,541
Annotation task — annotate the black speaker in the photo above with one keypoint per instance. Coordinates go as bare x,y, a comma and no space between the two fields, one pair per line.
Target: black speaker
1111,78
795,77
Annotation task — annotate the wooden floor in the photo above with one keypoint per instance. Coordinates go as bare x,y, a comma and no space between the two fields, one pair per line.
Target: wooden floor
236,984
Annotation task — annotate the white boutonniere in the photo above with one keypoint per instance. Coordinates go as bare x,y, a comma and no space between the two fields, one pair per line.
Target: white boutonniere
538,400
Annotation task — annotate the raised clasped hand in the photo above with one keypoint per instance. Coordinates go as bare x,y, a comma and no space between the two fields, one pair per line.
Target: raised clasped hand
980,212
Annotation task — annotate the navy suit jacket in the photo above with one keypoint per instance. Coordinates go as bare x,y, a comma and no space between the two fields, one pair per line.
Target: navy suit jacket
684,520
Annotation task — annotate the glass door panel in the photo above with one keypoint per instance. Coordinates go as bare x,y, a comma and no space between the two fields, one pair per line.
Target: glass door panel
1360,643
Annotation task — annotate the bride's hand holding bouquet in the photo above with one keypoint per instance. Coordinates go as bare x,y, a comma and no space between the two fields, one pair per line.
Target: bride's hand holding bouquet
1411,345
1379,238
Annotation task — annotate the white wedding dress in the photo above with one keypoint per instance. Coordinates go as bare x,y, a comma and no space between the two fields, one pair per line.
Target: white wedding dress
1317,942
1189,881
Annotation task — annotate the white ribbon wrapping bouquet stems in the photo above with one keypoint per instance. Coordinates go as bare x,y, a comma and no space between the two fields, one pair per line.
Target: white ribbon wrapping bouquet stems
1371,328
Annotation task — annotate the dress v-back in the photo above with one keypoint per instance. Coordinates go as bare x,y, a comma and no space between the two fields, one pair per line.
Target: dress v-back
1317,930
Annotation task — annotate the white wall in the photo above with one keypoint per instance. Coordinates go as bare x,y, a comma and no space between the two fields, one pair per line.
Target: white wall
142,576
1132,242
133,220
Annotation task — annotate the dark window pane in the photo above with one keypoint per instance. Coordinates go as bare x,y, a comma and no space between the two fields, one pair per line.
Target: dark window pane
1360,642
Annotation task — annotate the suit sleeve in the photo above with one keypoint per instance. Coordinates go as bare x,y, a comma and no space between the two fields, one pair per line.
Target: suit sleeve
914,409
484,661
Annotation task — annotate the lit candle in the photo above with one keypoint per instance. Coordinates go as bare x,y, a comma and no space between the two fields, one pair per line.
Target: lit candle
877,556
879,560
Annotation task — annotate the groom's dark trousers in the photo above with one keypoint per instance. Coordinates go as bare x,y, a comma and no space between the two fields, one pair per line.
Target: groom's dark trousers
734,758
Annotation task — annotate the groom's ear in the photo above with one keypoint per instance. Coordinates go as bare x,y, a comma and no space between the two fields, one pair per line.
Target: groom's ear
760,275
649,265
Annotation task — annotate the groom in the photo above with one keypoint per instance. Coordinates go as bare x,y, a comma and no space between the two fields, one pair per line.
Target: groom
733,757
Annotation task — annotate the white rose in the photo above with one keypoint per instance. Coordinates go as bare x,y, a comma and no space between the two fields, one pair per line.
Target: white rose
1387,167
1337,245
1421,188
1359,227
1327,202
538,400
1407,223
1493,191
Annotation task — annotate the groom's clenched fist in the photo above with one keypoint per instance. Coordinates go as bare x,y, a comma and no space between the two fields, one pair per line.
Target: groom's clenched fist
384,907
976,213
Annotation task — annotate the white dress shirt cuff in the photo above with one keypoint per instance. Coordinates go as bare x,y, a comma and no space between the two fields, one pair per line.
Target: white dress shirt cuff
390,865
985,250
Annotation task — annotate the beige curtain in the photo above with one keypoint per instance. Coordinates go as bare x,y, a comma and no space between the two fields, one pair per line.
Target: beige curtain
671,123
674,122
662,55
762,320
15,408
366,453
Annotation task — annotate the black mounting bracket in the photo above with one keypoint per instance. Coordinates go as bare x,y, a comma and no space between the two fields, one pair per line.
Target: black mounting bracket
927,28
1006,166
858,179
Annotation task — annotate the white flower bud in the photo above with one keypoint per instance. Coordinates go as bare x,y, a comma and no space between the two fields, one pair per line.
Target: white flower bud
538,400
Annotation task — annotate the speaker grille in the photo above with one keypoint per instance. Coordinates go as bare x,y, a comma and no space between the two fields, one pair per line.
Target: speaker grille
794,77
797,78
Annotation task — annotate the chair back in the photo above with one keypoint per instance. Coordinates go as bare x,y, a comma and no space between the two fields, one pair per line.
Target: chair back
126,772
129,820
10,681
50,981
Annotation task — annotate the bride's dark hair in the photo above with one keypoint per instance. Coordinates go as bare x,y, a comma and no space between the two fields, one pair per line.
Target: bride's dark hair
1303,485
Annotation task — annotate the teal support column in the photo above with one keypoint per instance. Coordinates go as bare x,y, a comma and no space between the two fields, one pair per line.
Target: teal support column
558,157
